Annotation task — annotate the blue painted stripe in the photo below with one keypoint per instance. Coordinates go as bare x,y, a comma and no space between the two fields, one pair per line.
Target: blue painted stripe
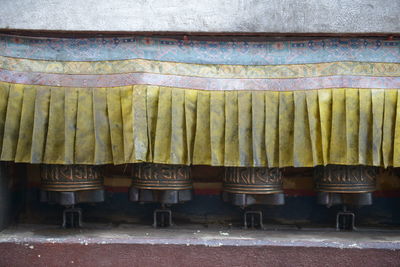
202,52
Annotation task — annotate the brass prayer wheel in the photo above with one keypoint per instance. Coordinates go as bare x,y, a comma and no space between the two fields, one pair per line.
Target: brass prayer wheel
245,186
68,185
345,185
162,183
161,177
252,180
71,178
345,179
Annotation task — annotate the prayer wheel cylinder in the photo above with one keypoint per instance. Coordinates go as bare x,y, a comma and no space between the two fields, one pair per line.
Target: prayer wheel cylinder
71,184
347,185
161,177
163,183
243,186
71,178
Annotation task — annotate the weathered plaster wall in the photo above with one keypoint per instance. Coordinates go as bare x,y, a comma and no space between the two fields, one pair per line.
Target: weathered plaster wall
5,197
228,16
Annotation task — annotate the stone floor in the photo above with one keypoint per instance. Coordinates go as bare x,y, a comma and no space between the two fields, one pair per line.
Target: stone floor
196,245
210,235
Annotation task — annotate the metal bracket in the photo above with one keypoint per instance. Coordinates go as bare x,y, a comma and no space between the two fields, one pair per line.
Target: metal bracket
72,218
345,220
252,214
162,218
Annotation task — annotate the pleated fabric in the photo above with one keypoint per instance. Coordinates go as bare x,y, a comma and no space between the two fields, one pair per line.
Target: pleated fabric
142,123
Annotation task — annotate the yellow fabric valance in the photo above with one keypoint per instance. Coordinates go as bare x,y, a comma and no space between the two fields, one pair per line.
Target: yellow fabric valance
117,125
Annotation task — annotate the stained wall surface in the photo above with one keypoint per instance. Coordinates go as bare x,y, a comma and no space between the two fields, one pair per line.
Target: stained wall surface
224,16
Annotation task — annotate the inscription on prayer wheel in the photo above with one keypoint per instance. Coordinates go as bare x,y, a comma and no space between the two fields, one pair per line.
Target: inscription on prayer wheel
71,178
161,176
252,180
345,179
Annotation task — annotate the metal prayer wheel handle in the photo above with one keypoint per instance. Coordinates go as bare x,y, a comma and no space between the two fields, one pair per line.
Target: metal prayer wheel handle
345,179
255,220
72,218
71,178
345,220
252,180
161,177
162,218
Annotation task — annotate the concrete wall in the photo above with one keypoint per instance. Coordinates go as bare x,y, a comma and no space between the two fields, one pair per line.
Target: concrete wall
5,197
227,16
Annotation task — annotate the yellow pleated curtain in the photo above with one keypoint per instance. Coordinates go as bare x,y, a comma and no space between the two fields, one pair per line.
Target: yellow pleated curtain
261,103
160,124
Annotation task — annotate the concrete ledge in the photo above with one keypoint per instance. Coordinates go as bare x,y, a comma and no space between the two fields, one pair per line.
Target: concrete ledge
211,236
224,16
195,246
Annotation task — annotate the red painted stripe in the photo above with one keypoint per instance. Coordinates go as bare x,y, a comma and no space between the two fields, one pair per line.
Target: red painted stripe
207,191
299,192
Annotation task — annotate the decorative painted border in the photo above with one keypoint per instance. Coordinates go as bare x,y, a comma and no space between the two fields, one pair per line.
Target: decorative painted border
202,52
116,80
201,70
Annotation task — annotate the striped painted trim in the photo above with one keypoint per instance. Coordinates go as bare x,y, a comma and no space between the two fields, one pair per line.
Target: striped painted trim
202,70
117,80
210,51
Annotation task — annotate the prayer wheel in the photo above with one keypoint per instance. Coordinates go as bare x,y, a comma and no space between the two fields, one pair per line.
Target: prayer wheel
244,186
69,185
61,178
346,185
163,183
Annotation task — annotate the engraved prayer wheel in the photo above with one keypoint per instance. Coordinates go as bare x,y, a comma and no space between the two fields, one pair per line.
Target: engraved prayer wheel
164,183
68,185
342,184
71,178
243,180
346,179
161,177
71,184
245,186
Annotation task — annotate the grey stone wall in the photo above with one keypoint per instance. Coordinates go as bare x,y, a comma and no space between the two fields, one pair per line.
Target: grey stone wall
202,16
5,197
